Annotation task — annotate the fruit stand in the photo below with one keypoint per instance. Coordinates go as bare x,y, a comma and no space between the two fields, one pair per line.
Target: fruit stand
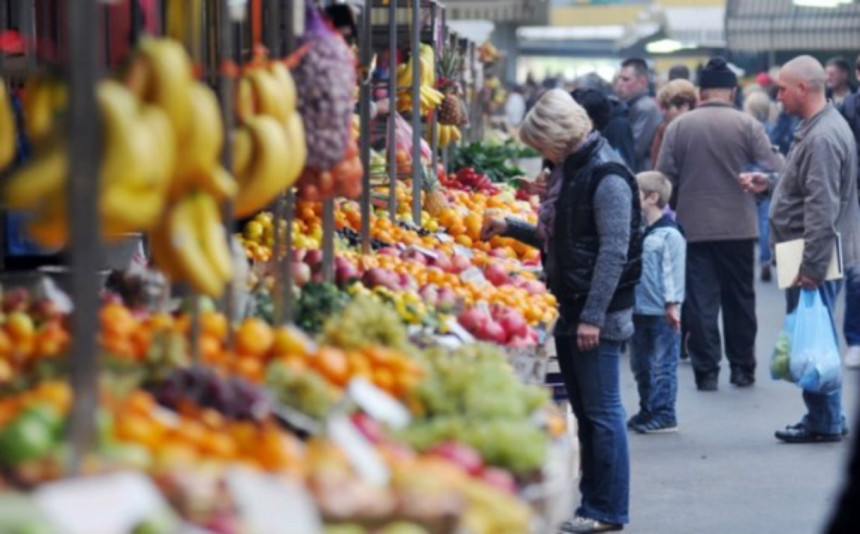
314,338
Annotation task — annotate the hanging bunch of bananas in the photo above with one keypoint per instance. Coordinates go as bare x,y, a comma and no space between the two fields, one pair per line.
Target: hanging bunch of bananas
269,148
8,135
188,239
445,135
430,96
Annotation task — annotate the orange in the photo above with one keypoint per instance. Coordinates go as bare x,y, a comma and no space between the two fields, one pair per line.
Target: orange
5,343
384,379
138,429
254,337
210,348
213,324
140,403
159,321
464,240
249,367
294,362
220,445
333,365
117,319
291,340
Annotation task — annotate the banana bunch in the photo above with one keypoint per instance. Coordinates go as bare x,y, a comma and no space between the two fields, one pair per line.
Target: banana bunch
191,244
8,135
446,134
269,149
430,97
44,98
137,162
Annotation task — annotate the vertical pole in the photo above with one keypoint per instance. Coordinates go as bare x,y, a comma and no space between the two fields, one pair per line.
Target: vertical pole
288,45
84,136
328,240
364,96
434,126
392,109
225,54
272,40
27,28
416,112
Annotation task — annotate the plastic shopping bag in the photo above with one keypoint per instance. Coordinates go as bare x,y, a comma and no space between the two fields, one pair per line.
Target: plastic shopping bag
780,366
813,362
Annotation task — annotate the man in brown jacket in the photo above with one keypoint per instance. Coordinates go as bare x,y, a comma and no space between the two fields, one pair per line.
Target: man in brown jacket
815,200
703,153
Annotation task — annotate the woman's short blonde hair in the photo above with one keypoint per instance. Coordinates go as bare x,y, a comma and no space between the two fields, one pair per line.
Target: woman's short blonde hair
758,105
677,93
555,126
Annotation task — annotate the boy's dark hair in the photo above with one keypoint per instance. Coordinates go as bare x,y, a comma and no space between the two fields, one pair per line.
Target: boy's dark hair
595,104
840,63
638,64
679,72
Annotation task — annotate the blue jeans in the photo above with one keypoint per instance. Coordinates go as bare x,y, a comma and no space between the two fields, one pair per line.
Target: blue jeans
824,411
851,327
654,356
592,382
765,255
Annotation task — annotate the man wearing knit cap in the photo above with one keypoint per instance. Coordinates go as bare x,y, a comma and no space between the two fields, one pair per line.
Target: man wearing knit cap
703,153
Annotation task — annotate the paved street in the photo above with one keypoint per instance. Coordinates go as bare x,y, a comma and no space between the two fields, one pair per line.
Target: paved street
724,473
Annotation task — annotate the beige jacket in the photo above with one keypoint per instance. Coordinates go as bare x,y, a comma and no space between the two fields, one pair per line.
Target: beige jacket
703,153
816,196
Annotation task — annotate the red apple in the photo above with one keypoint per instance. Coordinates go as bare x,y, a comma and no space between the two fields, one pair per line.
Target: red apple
313,257
345,271
494,332
459,263
415,255
430,295
473,320
443,261
299,254
378,276
499,479
534,287
17,299
496,274
447,300
407,282
514,323
301,273
460,455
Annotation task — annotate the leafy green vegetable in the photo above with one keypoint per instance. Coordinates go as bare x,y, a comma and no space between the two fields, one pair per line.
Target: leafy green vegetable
494,160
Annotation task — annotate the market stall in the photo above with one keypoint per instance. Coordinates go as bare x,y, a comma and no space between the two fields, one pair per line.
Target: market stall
310,335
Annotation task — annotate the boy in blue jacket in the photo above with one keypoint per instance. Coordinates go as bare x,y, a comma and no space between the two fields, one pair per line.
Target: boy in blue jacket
656,345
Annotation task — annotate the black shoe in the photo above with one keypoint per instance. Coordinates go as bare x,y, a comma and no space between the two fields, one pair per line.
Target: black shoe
765,273
800,434
656,426
586,525
708,383
742,380
637,419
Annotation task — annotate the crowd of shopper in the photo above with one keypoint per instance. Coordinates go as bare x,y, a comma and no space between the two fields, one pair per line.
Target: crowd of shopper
655,258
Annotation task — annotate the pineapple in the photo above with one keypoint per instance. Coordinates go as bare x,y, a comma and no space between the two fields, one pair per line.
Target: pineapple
450,111
434,197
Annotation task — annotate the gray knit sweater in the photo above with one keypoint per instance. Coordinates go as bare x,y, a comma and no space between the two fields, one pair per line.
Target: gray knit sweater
613,203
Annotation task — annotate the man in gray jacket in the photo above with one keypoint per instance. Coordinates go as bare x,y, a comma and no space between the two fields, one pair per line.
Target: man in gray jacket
815,200
703,152
645,116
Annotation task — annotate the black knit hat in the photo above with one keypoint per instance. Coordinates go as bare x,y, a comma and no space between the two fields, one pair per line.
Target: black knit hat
717,74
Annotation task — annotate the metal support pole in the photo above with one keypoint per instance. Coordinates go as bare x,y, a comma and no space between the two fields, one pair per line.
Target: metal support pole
226,53
84,136
289,214
392,109
364,96
416,112
434,126
27,28
328,241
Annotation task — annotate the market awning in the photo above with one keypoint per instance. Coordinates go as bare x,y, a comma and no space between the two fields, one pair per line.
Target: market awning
773,25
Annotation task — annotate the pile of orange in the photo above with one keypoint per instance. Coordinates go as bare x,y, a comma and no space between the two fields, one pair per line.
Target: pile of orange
53,393
125,336
22,342
203,433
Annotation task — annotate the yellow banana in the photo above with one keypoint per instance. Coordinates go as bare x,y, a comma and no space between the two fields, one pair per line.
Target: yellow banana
186,250
29,186
243,151
162,146
8,137
42,98
266,91
125,209
282,75
244,100
50,227
444,134
298,155
213,237
265,177
161,75
404,75
217,182
456,135
126,150
201,149
159,246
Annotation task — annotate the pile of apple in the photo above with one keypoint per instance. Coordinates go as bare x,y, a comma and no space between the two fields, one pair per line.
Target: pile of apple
500,324
468,179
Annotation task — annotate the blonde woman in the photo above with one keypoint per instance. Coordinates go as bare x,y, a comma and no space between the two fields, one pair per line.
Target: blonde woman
589,231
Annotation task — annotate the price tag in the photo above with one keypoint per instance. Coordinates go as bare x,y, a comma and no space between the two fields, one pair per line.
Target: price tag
528,368
102,505
463,251
444,238
378,404
358,450
260,498
425,251
474,276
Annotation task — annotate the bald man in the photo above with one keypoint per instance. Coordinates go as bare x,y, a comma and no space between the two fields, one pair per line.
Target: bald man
815,199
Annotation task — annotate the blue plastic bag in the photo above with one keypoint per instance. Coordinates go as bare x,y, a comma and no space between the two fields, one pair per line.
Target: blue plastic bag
814,362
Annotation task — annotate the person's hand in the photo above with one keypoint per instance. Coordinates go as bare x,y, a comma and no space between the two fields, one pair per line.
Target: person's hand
806,282
536,187
673,316
753,182
492,227
587,337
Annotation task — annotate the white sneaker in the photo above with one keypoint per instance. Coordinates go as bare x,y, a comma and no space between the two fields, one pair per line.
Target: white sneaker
852,357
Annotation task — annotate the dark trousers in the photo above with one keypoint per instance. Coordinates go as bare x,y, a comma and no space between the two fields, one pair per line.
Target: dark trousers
720,276
592,382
